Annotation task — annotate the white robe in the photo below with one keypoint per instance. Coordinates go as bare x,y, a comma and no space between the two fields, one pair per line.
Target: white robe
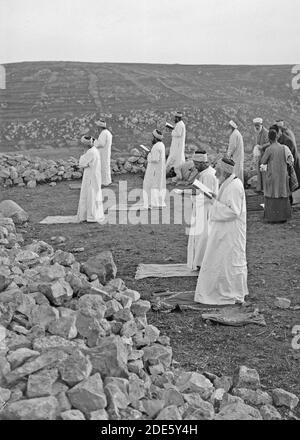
90,207
199,222
236,153
105,141
176,156
154,185
223,274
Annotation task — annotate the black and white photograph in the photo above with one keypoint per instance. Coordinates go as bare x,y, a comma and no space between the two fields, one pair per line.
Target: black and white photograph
149,214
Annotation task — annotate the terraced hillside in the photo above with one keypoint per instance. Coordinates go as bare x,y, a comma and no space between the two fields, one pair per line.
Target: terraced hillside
52,103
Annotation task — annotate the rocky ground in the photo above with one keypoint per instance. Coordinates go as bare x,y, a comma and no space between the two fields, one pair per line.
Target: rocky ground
76,343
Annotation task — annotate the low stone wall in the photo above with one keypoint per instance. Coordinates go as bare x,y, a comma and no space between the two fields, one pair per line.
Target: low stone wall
20,170
75,344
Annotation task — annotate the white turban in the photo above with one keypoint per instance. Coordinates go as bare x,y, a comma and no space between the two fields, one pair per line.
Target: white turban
200,157
157,135
233,124
257,121
101,123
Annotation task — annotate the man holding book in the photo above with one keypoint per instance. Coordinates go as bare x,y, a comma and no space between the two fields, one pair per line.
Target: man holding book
201,209
154,185
223,275
176,156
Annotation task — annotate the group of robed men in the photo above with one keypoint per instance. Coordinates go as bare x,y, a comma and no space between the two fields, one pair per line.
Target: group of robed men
217,238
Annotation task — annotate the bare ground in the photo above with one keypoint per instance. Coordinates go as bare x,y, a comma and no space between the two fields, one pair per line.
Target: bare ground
273,263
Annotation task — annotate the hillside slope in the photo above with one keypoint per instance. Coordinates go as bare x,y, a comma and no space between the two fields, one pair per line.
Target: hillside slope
52,103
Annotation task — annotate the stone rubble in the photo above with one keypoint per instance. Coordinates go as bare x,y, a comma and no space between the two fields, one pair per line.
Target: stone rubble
73,349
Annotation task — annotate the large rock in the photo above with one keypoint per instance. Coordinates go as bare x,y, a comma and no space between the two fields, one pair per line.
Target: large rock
64,258
284,398
57,292
48,359
246,377
192,382
158,354
169,413
268,412
101,265
253,397
72,414
238,411
88,395
75,368
42,408
18,357
40,384
110,357
12,210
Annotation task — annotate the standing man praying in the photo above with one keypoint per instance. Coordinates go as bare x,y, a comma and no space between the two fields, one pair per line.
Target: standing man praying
90,207
154,185
104,142
177,156
223,274
236,150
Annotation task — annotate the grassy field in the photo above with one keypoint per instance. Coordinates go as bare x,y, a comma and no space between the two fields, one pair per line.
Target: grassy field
274,270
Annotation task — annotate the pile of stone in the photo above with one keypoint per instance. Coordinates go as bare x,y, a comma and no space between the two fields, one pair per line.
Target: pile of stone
75,344
20,170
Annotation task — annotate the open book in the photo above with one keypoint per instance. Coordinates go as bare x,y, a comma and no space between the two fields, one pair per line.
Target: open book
145,148
169,126
206,191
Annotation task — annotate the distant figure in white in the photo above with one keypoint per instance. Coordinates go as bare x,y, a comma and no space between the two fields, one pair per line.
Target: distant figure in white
176,156
90,207
104,142
201,210
154,185
236,150
223,274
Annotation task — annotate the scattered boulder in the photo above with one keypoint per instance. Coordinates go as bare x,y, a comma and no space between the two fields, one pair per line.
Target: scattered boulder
101,265
284,398
10,209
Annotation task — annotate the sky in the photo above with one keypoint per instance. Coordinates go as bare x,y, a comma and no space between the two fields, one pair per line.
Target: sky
151,31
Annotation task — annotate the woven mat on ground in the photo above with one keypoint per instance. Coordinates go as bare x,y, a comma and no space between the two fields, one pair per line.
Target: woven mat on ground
129,207
236,315
57,219
75,186
163,271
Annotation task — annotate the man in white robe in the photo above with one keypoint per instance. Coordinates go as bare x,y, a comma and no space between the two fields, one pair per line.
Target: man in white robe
154,185
176,156
223,275
104,141
90,207
200,214
236,150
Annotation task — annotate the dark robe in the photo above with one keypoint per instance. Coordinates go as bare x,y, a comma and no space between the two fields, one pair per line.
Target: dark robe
285,139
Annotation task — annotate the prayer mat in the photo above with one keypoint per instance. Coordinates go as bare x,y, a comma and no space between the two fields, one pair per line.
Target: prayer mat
164,271
57,219
75,186
134,207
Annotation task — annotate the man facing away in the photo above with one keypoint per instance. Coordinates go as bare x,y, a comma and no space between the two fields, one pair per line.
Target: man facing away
236,150
200,214
176,156
262,142
287,137
223,274
154,185
90,207
104,141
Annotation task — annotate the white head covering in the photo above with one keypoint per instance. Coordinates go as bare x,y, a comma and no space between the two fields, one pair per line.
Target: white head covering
257,121
179,114
200,157
280,123
101,123
157,135
233,124
226,166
